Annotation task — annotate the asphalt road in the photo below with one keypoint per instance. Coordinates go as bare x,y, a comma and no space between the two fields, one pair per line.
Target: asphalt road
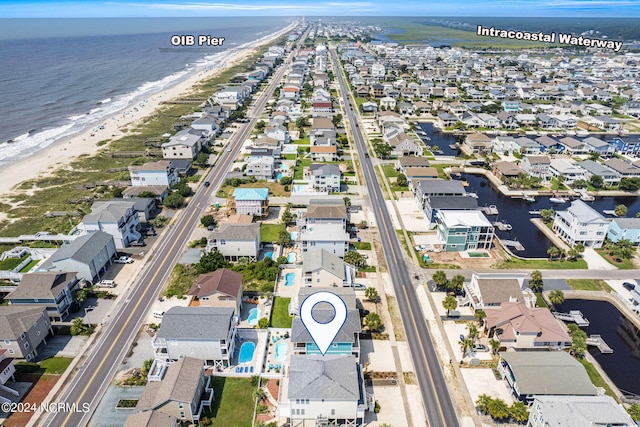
435,395
93,377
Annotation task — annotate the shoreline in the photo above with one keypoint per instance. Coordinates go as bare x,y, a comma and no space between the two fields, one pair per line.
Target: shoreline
115,125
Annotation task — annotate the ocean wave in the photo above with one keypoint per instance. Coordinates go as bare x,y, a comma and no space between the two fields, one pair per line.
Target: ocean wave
31,143
105,101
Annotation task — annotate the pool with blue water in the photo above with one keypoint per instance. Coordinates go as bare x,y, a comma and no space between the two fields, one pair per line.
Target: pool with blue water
246,352
289,278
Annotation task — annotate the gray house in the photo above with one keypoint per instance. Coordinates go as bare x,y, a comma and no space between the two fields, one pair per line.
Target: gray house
53,291
322,268
22,330
236,241
327,390
207,333
90,255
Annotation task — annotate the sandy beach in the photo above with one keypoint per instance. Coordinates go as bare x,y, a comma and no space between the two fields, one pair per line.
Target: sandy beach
115,125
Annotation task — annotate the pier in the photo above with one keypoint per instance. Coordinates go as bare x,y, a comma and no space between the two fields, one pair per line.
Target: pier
489,210
598,341
502,226
574,316
512,244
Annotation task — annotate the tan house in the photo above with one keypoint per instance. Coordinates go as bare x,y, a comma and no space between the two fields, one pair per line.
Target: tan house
221,288
477,143
179,390
519,327
505,170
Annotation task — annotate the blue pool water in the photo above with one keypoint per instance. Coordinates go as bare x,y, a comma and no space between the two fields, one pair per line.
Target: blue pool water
246,352
284,167
292,257
289,277
281,351
254,313
294,235
268,255
299,188
279,177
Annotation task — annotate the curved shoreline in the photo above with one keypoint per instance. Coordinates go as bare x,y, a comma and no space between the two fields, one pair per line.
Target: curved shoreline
116,125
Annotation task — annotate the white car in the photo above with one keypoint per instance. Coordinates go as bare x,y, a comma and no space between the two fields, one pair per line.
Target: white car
124,260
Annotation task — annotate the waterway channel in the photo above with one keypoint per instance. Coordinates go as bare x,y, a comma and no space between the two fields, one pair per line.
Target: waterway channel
623,365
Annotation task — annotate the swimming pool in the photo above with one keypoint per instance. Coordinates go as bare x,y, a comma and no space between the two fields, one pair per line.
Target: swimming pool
292,257
246,352
254,313
279,177
281,351
268,255
289,277
284,167
299,188
294,236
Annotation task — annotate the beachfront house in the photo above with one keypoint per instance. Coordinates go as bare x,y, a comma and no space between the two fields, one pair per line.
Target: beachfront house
463,230
185,144
580,223
22,330
324,390
221,288
624,228
208,333
519,327
324,226
179,391
601,410
346,341
544,373
90,255
249,201
118,219
52,291
235,241
231,97
321,268
160,173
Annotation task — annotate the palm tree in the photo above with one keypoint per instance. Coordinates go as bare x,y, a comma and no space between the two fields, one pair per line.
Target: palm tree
354,258
535,281
480,315
556,297
473,331
553,252
440,278
519,412
495,345
450,303
620,210
456,282
483,403
498,409
466,345
371,294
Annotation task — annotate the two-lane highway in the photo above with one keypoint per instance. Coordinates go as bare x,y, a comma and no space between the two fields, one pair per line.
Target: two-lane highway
90,382
435,395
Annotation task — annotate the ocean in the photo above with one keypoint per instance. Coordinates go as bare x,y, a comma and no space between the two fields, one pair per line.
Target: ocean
59,76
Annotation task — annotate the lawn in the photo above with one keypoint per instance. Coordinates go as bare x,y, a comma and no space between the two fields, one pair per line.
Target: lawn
280,315
269,232
53,365
362,246
233,403
298,173
588,285
11,263
29,266
626,264
596,378
542,264
390,171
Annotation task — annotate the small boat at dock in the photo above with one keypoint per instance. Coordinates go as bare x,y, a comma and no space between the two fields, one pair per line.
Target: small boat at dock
534,212
502,226
454,146
558,200
529,199
489,210
609,212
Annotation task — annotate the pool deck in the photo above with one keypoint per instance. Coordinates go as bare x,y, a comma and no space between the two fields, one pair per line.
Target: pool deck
259,338
246,308
289,291
275,337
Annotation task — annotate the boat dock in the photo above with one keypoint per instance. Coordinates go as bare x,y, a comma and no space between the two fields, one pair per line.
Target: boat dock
489,210
534,212
502,226
512,244
574,316
609,212
585,196
598,341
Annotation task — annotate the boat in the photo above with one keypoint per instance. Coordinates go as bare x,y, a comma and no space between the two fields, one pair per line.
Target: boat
502,226
557,200
611,212
454,146
534,212
489,210
529,199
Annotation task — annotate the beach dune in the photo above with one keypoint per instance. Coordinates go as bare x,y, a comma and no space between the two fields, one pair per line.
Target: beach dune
113,126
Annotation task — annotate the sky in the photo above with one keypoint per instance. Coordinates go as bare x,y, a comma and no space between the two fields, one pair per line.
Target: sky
169,8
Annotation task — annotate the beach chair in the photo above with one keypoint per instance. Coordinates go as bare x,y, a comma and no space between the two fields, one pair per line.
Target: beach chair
246,369
270,365
251,369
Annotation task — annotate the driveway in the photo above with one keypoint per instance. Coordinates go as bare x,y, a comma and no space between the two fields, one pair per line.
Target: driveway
595,261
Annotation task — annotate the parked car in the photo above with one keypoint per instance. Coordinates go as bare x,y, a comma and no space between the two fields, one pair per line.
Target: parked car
158,314
207,183
106,284
138,243
358,286
124,260
480,347
363,312
629,286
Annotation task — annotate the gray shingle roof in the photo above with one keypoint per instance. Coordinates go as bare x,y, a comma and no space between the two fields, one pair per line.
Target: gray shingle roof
333,378
347,294
447,202
350,327
623,223
196,323
580,411
14,320
150,419
237,232
320,258
42,285
324,211
83,249
320,169
548,373
180,384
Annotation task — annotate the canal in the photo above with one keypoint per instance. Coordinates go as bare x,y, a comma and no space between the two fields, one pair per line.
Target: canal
623,365
437,138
